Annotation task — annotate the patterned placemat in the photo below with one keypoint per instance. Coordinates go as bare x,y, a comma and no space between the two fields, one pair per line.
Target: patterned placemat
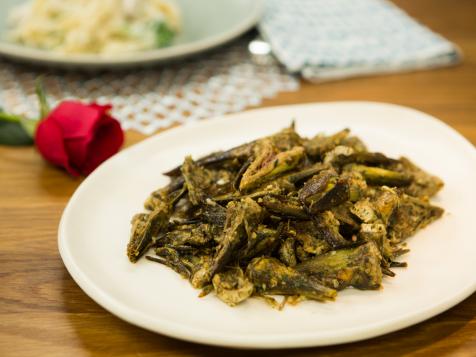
228,79
333,39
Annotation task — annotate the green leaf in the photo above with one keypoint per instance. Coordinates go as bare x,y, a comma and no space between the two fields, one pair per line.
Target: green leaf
41,94
16,130
12,133
163,34
9,117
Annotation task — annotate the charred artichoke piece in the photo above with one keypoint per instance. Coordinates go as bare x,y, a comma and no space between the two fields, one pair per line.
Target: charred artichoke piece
327,229
242,218
380,205
379,176
197,180
337,195
371,158
411,215
385,201
270,276
357,185
337,154
171,258
203,183
269,164
327,190
307,241
317,185
345,217
320,144
231,286
364,210
239,175
355,143
287,252
306,173
276,187
144,228
311,244
423,184
324,191
260,242
286,139
193,235
377,232
365,158
358,267
213,213
284,206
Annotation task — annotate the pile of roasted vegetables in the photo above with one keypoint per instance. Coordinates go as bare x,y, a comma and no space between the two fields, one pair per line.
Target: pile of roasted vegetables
286,215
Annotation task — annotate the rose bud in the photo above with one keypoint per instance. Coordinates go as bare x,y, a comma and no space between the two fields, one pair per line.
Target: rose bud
78,137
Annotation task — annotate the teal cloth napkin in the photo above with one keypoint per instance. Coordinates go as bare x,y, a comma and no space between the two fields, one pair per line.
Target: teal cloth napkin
333,39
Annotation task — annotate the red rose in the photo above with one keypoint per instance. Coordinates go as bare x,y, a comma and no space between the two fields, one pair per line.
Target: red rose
78,136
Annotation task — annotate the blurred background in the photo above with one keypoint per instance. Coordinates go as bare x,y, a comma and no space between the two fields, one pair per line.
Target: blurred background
162,63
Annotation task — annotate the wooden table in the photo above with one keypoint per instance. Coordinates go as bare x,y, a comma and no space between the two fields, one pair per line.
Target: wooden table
43,312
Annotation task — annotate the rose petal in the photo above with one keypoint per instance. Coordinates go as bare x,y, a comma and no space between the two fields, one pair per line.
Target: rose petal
77,149
78,120
107,141
49,141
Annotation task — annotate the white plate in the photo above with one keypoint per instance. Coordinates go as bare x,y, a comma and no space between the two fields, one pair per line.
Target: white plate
206,24
94,231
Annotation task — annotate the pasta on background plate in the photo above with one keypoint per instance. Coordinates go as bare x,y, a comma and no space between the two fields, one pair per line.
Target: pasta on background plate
94,27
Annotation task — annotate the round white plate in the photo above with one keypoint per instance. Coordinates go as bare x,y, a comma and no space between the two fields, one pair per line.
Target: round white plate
94,232
206,24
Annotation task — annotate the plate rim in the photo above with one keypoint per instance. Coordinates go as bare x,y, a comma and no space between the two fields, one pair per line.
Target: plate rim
271,341
37,56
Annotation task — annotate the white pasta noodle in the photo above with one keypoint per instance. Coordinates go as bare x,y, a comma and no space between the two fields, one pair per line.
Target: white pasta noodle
93,26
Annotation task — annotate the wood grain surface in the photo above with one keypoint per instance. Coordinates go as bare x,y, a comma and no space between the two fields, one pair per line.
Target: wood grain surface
44,313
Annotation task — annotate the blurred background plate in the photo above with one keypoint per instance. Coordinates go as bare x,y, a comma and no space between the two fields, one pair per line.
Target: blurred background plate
206,24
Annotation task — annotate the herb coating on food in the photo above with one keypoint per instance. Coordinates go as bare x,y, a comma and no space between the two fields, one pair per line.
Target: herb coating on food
286,215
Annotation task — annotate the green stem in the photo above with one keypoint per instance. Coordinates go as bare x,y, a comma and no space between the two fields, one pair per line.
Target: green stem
43,101
10,117
29,125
